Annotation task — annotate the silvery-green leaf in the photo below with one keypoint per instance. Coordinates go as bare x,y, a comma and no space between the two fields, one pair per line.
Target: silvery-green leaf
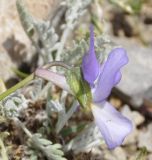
45,142
51,151
57,146
74,56
26,19
88,138
38,31
55,151
75,9
65,117
33,157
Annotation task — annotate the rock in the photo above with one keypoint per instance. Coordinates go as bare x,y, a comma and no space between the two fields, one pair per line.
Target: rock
117,154
116,102
144,138
136,119
14,43
134,116
149,157
132,137
96,153
10,23
5,66
148,98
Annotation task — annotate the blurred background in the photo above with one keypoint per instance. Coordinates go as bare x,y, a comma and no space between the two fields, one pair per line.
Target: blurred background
126,23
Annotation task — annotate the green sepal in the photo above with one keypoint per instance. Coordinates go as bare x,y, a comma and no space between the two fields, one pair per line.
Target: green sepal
79,86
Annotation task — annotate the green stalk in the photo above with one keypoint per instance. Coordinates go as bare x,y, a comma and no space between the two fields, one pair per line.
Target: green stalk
17,86
19,73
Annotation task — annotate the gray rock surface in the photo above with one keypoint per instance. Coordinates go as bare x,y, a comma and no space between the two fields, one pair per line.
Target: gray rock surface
137,119
14,43
144,139
116,154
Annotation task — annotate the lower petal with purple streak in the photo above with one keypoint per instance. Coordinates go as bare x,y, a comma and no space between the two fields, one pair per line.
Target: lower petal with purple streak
113,126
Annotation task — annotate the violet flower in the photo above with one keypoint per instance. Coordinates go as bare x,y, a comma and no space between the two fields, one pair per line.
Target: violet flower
113,126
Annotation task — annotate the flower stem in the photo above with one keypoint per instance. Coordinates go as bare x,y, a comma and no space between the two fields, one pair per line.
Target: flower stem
31,77
17,86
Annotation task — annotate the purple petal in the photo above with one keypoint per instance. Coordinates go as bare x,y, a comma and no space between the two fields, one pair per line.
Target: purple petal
113,126
110,74
55,78
90,65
